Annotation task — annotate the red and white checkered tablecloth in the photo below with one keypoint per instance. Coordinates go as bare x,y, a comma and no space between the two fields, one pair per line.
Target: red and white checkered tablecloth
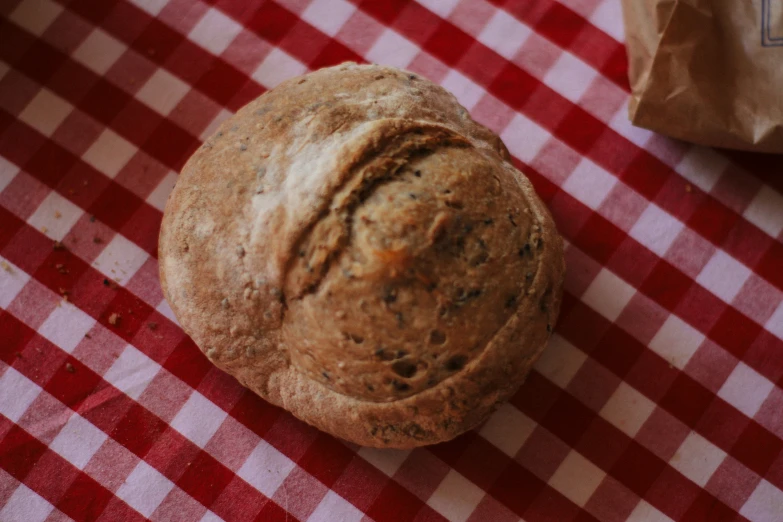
661,394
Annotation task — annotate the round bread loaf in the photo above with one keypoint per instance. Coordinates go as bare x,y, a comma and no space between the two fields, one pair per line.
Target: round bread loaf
353,247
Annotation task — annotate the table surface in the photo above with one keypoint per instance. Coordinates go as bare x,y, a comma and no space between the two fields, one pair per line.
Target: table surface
659,398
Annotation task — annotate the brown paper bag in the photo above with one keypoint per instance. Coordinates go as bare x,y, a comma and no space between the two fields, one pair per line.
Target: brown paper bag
708,71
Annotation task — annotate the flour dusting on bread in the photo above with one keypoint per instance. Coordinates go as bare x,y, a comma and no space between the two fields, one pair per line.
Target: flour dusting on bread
354,247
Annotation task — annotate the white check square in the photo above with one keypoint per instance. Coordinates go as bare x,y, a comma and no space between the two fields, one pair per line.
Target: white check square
215,31
524,138
145,488
334,507
508,429
621,123
66,326
656,229
99,51
504,34
392,49
703,167
577,478
442,8
266,468
609,18
165,310
56,215
644,512
12,280
8,172
627,409
277,67
110,153
589,183
160,195
45,112
456,497
222,116
467,92
153,7
570,76
676,341
766,211
17,393
163,91
198,419
608,294
328,15
209,516
560,361
120,259
78,441
36,15
386,460
746,389
723,276
25,505
765,504
697,458
775,322
132,372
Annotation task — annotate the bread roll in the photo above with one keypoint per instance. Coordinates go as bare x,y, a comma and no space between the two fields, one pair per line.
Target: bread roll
353,247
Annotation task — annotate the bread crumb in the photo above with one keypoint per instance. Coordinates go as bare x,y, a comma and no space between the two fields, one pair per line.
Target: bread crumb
69,368
87,336
57,214
688,188
61,268
58,246
114,319
44,230
6,267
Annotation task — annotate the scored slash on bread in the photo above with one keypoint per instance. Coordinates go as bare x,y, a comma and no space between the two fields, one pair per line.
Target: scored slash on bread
353,247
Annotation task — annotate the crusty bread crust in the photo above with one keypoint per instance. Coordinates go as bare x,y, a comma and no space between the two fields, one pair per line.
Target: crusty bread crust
353,247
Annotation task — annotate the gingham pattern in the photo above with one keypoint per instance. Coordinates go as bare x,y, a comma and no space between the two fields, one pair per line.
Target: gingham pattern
660,397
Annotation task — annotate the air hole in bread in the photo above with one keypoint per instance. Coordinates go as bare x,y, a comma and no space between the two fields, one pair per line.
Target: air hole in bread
401,386
437,337
358,339
405,369
456,363
389,355
480,259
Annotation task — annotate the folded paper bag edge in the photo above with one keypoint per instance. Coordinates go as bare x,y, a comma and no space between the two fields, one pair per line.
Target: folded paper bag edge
719,107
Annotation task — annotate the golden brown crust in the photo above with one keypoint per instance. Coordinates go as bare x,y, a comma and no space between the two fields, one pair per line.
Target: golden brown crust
354,248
